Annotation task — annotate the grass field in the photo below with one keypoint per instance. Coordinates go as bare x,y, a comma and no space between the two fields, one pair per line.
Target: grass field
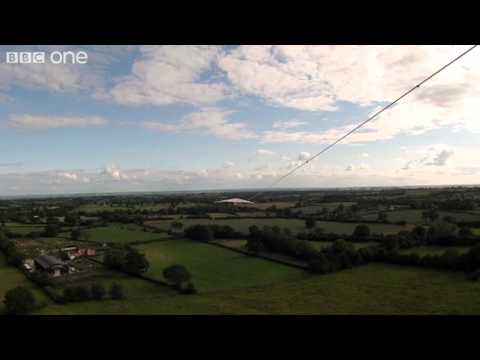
312,209
434,250
24,229
121,234
295,225
11,277
214,268
413,216
94,208
357,245
371,289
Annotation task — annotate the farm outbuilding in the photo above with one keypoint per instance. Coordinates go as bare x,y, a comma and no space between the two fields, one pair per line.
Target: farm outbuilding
51,265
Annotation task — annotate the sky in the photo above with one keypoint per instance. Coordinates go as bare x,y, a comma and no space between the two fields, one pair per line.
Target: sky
166,118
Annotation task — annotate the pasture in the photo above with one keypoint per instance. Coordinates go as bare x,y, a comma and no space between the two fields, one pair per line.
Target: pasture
24,229
214,268
413,216
434,250
370,289
295,225
11,277
123,234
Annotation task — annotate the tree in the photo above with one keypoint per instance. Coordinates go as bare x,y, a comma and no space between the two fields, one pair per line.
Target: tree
382,217
98,291
465,232
199,233
310,223
177,225
19,301
78,234
254,245
361,231
177,274
116,291
72,219
135,262
52,230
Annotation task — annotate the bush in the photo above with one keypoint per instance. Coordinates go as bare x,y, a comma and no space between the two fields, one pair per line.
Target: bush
116,292
19,301
98,291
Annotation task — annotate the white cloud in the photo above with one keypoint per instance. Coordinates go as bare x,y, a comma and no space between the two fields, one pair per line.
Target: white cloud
288,124
171,74
214,121
359,167
229,164
261,152
433,155
364,155
304,155
317,77
54,121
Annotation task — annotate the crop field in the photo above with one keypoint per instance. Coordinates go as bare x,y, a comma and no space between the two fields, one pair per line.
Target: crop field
295,225
370,289
214,268
12,277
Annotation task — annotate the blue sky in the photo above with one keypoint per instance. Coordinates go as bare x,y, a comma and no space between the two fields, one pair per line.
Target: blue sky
154,118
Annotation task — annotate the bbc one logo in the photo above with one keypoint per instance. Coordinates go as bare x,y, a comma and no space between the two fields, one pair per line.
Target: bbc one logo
40,57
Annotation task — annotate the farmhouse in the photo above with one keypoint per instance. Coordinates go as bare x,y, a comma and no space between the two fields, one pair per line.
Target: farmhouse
74,251
51,265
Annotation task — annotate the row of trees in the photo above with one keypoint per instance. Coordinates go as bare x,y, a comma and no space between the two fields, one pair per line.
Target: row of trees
95,291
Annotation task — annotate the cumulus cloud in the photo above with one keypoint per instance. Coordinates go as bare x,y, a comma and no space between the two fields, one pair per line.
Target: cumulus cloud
229,164
171,74
214,121
436,155
31,121
364,155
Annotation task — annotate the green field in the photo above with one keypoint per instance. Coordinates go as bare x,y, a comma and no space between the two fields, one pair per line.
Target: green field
357,245
413,216
371,289
11,277
434,250
312,209
24,229
122,234
295,225
214,268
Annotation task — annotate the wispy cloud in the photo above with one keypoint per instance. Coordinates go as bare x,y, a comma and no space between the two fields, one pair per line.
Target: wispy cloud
29,121
213,121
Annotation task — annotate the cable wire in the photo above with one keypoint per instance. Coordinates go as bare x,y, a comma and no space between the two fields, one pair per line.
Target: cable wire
367,120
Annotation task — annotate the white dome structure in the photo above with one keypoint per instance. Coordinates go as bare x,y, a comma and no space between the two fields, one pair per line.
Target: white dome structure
235,201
